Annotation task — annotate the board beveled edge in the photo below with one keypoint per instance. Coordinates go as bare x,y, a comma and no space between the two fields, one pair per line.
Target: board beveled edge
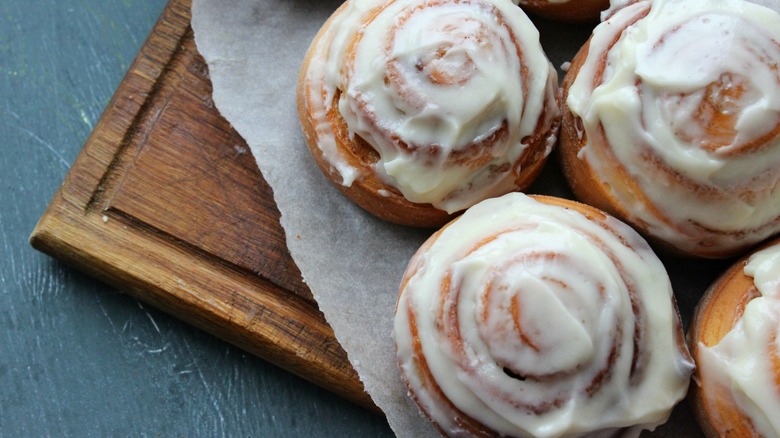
241,308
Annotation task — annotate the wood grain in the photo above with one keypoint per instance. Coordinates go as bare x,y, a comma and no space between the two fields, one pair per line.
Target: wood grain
165,202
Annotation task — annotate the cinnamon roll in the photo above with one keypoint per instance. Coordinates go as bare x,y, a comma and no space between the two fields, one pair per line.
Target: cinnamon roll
540,317
735,343
672,122
572,11
417,109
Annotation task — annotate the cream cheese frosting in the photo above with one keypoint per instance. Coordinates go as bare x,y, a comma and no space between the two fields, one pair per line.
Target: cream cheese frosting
448,93
536,320
688,107
746,360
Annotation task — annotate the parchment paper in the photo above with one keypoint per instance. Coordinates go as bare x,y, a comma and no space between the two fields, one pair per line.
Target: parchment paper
351,261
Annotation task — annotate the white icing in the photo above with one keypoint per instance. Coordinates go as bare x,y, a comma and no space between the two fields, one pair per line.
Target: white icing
571,307
454,80
649,104
614,6
741,360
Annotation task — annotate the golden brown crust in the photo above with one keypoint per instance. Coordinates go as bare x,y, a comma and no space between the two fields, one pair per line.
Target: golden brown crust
720,308
576,11
368,190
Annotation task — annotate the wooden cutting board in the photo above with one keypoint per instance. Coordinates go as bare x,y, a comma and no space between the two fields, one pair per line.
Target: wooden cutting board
165,202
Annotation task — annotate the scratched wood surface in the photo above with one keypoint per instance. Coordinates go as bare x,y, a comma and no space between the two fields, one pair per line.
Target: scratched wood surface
79,357
165,201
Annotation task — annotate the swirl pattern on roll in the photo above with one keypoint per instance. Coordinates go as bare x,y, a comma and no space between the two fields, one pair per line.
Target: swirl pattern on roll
677,106
454,98
526,318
